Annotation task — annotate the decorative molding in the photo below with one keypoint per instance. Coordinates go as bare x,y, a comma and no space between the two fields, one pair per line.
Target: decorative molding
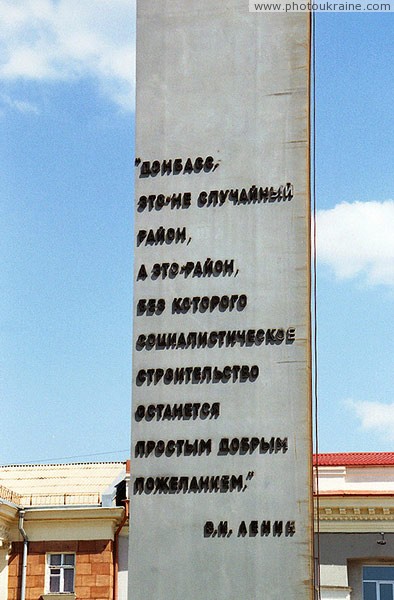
337,587
4,534
355,514
9,495
359,513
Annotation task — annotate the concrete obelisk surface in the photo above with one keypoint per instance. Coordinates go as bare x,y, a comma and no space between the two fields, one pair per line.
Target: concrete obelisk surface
221,420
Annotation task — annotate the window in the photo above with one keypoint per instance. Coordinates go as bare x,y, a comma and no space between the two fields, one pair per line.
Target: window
378,583
61,572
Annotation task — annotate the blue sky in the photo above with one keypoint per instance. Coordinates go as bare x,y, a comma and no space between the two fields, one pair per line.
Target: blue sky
355,177
66,119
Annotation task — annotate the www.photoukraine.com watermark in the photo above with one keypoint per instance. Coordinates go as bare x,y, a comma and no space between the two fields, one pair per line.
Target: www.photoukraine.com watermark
321,6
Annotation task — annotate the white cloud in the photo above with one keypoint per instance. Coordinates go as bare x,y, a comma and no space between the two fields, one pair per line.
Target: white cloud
68,39
375,416
356,239
19,105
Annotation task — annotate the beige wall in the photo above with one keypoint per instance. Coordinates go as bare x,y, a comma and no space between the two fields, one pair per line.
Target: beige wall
72,523
3,572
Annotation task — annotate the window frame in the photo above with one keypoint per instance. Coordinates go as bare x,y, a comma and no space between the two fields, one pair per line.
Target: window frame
377,581
62,567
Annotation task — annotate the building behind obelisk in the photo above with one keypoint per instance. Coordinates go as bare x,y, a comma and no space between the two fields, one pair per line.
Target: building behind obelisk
221,430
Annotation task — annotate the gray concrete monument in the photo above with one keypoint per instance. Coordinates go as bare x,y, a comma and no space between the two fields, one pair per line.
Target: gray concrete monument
221,431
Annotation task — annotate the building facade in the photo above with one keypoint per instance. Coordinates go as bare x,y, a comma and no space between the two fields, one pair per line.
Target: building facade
64,529
354,511
63,532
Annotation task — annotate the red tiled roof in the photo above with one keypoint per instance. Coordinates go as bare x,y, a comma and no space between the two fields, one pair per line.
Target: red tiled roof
353,493
355,459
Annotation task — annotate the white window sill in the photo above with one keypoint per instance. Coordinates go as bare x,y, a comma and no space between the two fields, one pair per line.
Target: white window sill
59,596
